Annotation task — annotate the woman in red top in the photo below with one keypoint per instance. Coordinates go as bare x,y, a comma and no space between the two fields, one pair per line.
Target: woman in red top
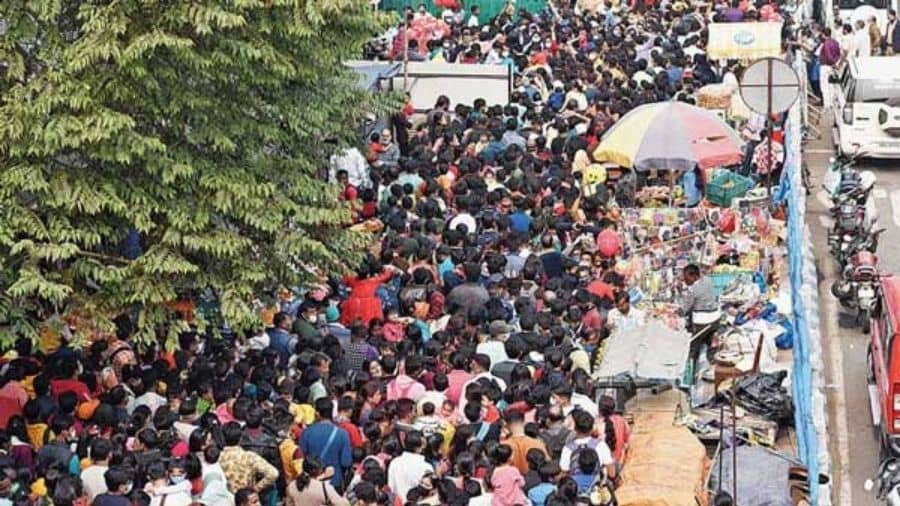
615,429
363,304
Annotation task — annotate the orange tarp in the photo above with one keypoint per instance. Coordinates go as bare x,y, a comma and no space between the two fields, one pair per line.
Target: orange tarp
665,466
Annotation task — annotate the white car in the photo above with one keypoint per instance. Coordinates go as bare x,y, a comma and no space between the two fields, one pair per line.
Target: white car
867,107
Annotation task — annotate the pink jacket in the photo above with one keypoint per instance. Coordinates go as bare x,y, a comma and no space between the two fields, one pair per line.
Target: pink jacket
404,387
507,482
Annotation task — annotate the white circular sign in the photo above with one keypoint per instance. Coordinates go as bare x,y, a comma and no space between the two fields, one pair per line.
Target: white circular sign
769,85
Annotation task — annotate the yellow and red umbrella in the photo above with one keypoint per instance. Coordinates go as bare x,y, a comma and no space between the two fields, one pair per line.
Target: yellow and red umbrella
670,136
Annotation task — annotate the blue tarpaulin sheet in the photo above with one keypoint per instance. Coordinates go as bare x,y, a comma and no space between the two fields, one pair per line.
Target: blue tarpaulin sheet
802,381
370,74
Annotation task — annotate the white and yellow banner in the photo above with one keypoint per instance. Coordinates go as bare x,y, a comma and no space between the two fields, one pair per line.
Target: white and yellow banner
744,41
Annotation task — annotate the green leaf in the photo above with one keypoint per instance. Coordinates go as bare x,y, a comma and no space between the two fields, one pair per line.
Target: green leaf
197,125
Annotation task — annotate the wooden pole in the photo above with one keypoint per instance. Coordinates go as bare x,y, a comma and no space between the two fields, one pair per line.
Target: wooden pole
769,126
671,187
734,470
721,443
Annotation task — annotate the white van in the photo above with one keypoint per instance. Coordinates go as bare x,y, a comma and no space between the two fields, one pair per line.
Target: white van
850,11
867,107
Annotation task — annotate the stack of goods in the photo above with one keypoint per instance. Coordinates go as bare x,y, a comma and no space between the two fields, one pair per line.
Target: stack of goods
660,196
427,28
714,96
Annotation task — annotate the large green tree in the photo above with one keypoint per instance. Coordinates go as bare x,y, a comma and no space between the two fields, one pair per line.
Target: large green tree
199,125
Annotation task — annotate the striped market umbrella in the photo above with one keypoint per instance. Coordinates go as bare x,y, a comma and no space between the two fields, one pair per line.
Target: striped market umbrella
670,136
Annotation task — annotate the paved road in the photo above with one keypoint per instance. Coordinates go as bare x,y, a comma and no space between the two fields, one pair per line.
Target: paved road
854,448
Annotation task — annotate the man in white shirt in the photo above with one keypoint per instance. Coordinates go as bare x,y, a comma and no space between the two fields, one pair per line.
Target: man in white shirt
481,368
464,218
356,166
568,400
473,19
148,397
624,317
92,478
405,471
493,345
584,427
862,44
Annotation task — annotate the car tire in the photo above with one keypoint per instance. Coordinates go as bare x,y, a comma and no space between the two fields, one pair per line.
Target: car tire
870,366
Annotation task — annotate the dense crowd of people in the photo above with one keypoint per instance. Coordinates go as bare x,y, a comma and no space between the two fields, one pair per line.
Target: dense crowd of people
455,365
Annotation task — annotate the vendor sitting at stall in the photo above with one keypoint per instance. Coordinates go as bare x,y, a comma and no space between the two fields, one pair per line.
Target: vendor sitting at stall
700,303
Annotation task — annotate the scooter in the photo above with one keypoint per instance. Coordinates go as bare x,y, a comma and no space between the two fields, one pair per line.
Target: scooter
857,287
887,481
840,172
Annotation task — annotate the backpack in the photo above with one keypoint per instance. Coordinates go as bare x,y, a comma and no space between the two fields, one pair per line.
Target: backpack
585,492
576,450
555,441
504,370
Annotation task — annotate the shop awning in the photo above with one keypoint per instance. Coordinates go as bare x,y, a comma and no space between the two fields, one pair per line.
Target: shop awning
370,73
744,41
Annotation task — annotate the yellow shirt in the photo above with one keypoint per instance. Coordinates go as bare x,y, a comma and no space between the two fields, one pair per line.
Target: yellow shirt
304,414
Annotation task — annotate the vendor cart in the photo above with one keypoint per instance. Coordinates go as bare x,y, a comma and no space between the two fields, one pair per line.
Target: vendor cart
653,356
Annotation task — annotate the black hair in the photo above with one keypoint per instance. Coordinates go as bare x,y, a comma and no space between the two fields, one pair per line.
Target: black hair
101,448
115,477
312,467
232,432
242,496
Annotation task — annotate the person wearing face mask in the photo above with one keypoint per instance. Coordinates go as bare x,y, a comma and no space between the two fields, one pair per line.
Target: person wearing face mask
422,13
118,484
59,451
306,326
170,488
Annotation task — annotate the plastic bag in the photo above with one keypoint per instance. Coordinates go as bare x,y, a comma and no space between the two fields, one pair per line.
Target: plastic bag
727,221
786,340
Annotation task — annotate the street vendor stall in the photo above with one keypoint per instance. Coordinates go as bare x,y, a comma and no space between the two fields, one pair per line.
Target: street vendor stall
665,140
658,243
670,136
650,356
742,252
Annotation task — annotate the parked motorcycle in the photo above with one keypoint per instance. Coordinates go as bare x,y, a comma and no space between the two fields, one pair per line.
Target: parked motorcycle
841,173
852,195
852,213
887,482
857,288
852,243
